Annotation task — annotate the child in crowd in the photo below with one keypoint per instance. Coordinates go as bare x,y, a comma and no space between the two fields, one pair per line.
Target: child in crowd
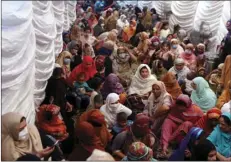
83,91
121,124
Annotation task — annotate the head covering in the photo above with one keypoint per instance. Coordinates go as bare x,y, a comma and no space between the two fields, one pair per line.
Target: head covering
61,57
53,126
201,45
89,71
99,63
95,116
87,137
226,71
226,107
202,150
191,137
213,113
203,96
98,155
13,148
141,125
72,44
112,85
138,151
110,110
112,36
179,61
220,66
228,115
75,32
140,85
172,88
153,102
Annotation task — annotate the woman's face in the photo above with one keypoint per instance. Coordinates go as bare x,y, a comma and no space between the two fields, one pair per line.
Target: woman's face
201,73
212,156
156,90
88,64
22,125
165,47
224,126
179,66
74,51
144,73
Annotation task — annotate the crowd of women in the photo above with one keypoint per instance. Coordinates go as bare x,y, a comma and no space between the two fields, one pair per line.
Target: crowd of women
127,88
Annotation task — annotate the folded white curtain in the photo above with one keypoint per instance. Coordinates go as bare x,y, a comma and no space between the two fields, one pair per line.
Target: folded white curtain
31,37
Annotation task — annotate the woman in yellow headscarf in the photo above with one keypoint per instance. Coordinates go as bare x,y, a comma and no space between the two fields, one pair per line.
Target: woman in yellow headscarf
129,31
64,60
225,96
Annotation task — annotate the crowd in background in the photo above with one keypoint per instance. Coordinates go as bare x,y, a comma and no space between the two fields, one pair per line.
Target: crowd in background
126,87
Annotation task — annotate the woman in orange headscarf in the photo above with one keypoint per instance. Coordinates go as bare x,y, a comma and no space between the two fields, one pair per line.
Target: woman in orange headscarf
129,31
225,96
209,121
171,85
226,71
96,118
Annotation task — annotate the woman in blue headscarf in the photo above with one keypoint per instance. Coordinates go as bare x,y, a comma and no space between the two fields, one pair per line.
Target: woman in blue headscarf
221,137
202,95
185,149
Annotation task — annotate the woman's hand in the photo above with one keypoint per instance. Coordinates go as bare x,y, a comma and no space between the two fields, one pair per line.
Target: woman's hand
69,107
45,152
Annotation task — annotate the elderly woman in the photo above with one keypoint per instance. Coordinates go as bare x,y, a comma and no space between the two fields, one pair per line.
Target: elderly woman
180,69
189,57
202,95
176,49
225,96
64,60
139,131
112,108
181,118
138,151
123,64
158,105
209,121
20,138
171,85
221,137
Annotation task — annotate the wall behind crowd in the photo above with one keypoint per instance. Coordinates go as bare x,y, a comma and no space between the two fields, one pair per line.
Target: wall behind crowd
31,37
190,14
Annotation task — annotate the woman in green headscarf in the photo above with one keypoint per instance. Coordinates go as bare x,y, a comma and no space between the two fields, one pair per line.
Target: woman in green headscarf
202,95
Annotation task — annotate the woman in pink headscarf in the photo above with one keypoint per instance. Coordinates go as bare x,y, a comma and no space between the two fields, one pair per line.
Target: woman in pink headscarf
189,57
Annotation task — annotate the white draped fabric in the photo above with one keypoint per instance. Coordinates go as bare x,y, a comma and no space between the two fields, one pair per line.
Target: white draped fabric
31,37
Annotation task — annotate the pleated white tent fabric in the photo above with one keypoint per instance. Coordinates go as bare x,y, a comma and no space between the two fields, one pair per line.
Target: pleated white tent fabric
31,37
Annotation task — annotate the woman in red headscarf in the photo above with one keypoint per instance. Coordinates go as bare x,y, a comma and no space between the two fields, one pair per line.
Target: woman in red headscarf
87,142
209,121
179,121
87,67
96,118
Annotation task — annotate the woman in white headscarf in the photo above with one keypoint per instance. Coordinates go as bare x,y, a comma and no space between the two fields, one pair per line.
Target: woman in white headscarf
142,81
180,69
112,108
176,48
98,155
121,23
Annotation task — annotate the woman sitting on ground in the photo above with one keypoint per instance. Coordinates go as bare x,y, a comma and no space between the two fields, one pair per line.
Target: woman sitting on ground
112,108
221,137
183,114
20,138
202,95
